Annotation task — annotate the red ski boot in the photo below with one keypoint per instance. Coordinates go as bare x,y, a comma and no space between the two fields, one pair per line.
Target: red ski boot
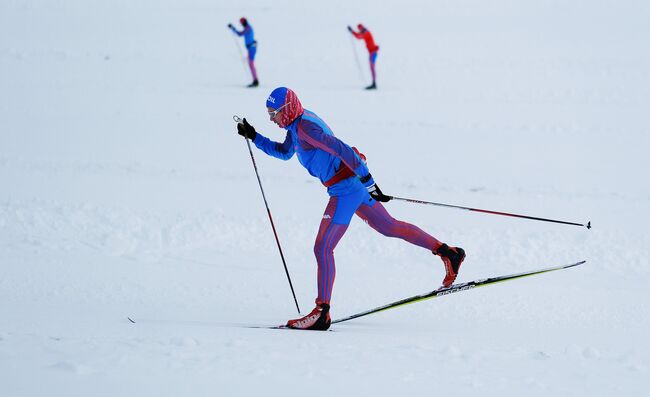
318,320
452,257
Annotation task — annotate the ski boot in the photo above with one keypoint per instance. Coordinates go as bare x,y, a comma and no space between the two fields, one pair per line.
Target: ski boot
255,83
452,257
372,86
318,320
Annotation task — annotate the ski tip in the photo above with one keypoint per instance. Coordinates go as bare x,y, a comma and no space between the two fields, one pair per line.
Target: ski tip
131,320
267,326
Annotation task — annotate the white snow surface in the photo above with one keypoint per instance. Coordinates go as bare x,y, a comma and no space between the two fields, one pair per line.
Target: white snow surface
126,192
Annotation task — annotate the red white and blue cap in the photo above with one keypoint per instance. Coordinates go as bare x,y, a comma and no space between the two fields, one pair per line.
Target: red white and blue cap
285,98
277,98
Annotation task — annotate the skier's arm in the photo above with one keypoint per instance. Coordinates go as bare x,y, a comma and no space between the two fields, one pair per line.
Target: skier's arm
283,151
314,135
237,32
358,35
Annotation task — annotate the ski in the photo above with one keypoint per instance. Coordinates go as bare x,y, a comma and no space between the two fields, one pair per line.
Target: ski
455,288
282,327
268,326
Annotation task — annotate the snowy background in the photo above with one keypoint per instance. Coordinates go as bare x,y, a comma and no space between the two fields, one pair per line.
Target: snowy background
125,191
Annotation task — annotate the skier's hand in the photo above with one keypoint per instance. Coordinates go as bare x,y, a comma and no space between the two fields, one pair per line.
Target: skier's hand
246,130
374,190
349,28
230,25
376,193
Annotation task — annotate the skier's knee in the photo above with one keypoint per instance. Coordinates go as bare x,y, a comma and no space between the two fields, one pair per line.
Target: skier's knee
319,248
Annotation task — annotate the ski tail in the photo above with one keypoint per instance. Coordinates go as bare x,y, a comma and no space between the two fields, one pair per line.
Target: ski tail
456,288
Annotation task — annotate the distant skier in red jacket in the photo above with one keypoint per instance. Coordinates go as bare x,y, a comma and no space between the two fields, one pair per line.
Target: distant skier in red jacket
364,34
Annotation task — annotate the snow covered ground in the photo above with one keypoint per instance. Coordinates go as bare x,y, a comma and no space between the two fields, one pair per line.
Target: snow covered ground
125,191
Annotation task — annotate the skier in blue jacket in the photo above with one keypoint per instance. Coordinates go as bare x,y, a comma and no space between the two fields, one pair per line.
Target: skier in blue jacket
352,190
251,46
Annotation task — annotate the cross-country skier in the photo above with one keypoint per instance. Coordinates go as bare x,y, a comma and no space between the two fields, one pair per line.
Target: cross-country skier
373,49
251,46
351,188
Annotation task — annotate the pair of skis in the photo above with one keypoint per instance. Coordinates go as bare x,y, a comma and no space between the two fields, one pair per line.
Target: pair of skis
447,291
438,293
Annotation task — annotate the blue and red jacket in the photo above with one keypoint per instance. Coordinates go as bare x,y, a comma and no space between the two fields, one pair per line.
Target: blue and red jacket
249,35
320,152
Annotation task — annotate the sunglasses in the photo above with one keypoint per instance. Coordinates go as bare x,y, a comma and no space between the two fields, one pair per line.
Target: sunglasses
273,113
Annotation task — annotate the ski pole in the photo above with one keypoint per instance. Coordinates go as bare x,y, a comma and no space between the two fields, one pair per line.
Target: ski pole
241,54
588,225
268,211
356,57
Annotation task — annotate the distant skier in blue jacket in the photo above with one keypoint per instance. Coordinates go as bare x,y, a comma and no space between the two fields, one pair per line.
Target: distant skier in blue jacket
352,190
251,46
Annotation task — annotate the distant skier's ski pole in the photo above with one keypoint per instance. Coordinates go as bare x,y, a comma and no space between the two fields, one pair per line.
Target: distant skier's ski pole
241,54
588,225
356,57
239,120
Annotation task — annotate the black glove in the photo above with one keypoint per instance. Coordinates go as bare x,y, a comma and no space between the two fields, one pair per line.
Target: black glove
246,130
349,28
376,193
374,190
230,25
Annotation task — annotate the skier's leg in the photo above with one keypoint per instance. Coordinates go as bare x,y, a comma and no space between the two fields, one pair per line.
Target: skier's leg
335,222
251,61
329,234
373,59
251,65
379,219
